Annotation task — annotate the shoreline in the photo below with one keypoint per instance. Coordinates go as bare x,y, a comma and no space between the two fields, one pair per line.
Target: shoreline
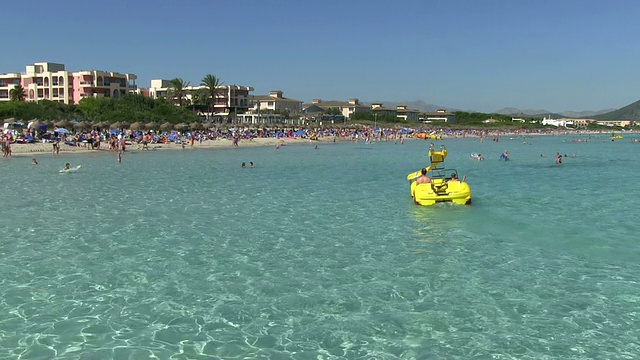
38,149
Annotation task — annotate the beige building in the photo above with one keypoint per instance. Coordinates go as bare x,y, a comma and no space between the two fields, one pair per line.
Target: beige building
275,102
405,114
273,109
346,108
441,115
230,100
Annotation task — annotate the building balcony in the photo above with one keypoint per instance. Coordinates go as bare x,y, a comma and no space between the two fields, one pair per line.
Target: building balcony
86,83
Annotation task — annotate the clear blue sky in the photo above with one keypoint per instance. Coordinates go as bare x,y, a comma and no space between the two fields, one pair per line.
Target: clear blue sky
479,55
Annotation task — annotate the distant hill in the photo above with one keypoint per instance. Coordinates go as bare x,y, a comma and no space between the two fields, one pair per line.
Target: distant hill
516,111
629,112
585,114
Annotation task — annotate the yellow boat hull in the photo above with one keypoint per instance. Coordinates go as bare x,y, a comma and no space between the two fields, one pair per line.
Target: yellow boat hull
439,190
428,136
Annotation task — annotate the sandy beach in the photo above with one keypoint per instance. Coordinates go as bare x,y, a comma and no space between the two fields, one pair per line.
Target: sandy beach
47,148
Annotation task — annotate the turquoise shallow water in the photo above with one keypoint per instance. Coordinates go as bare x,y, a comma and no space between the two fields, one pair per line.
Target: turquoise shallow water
320,254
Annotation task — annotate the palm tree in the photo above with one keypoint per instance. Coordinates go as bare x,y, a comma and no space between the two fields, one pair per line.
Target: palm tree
210,89
176,91
17,93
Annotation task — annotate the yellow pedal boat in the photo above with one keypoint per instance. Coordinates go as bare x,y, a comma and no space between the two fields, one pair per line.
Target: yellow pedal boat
444,184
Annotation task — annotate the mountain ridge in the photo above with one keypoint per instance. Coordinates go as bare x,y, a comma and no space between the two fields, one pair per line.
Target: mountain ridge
629,112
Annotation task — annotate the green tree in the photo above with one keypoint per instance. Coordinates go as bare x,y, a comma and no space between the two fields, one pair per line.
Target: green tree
210,90
17,93
333,111
177,90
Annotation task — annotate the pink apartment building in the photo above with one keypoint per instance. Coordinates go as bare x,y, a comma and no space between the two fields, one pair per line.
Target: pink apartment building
51,81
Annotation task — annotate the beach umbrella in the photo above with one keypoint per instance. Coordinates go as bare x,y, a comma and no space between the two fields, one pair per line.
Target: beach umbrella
209,125
34,123
166,126
196,126
151,125
136,126
82,125
16,125
181,126
62,124
61,131
9,120
103,124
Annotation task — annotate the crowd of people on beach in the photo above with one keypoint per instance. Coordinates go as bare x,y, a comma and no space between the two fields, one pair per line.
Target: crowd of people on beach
118,140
